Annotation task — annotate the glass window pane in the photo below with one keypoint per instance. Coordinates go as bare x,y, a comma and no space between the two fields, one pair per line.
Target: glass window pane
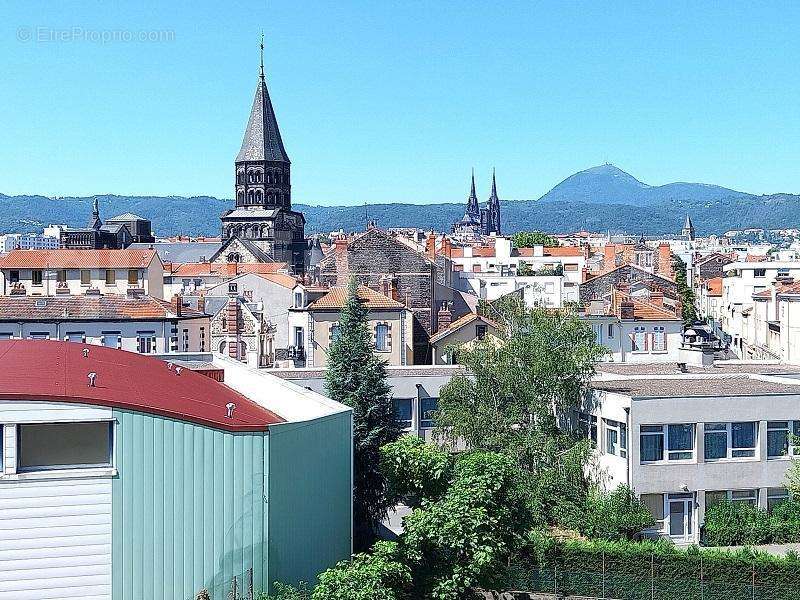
716,444
428,406
652,447
623,436
655,504
743,435
777,442
64,445
611,441
715,497
681,437
402,411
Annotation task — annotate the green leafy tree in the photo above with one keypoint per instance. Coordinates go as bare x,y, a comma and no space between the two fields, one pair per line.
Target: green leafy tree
357,377
529,239
463,539
525,270
380,575
685,293
415,470
287,592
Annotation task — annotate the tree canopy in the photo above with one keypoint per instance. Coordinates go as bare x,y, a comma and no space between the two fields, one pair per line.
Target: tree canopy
529,239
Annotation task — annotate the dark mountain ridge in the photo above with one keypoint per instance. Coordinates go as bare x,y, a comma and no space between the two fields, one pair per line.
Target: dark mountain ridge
597,199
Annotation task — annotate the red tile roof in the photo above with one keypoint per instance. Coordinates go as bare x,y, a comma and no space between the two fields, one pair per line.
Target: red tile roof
563,251
58,372
223,269
461,322
337,297
714,286
77,259
80,308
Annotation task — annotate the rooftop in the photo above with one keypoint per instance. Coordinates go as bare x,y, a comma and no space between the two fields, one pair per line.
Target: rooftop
63,258
97,308
58,371
688,386
719,368
337,297
193,269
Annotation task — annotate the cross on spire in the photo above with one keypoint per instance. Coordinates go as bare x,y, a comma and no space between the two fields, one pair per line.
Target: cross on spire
262,55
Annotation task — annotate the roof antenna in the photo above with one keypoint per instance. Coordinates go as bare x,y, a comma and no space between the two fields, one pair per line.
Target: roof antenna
92,378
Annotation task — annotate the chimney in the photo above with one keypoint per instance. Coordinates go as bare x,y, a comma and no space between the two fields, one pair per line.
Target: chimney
657,298
430,246
664,260
626,309
388,286
444,317
340,244
177,305
201,304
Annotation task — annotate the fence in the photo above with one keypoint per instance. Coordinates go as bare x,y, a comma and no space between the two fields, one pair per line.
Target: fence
660,580
239,590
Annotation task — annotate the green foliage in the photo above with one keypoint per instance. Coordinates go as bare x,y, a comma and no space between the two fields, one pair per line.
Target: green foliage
462,539
792,477
652,569
686,294
415,470
618,514
525,270
287,592
529,239
738,523
357,377
379,575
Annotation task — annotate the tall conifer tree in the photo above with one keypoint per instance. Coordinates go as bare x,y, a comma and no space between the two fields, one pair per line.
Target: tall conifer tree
356,376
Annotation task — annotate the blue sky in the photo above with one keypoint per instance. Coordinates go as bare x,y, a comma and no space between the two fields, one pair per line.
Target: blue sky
396,101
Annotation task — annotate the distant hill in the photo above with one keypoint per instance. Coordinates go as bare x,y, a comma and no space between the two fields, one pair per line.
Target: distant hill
607,184
598,199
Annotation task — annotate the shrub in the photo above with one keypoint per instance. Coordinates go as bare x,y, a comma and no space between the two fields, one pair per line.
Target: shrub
376,576
735,524
784,522
415,470
614,515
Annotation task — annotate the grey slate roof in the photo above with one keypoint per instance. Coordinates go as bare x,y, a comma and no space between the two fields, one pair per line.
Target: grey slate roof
689,387
262,139
181,252
126,217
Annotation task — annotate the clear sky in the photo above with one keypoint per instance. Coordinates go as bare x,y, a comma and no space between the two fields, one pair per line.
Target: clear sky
383,101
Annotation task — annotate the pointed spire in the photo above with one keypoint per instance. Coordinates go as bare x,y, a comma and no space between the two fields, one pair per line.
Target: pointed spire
95,222
473,209
494,187
262,138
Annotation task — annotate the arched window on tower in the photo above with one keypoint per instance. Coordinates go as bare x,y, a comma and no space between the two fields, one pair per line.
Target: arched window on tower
240,196
251,177
278,177
258,196
250,196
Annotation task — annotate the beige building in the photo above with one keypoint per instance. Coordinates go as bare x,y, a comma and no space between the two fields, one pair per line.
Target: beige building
460,332
390,322
82,272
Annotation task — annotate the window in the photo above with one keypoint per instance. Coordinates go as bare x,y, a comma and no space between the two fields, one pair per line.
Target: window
382,337
783,272
146,342
480,331
5,336
659,339
427,407
717,496
781,438
202,339
570,267
76,336
730,440
64,446
13,276
587,426
655,504
112,339
111,277
639,340
86,277
610,331
402,412
39,335
678,439
759,272
133,277
616,438
36,277
298,300
185,340
61,276
298,337
775,496
334,332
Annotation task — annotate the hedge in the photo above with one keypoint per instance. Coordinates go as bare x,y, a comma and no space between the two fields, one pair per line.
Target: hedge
653,570
739,523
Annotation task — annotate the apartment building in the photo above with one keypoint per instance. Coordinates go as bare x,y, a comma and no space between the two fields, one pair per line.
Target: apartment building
684,441
135,323
550,291
27,241
81,272
742,280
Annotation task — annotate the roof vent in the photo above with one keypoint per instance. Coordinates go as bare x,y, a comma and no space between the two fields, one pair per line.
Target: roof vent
92,379
230,407
41,303
85,353
169,366
682,367
178,370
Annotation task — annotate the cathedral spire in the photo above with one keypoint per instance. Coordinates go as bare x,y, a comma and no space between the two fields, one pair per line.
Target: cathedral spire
494,187
473,210
262,55
95,222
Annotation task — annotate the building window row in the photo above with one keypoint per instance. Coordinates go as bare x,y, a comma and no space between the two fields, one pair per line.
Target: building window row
257,176
403,412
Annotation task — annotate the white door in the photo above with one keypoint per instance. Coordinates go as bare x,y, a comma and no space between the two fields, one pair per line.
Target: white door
680,517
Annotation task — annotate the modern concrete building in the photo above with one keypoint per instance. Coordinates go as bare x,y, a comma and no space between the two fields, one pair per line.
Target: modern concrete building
684,440
124,477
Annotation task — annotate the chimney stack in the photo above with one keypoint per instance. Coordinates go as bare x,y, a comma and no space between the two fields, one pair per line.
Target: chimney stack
177,305
657,298
626,308
201,304
444,317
